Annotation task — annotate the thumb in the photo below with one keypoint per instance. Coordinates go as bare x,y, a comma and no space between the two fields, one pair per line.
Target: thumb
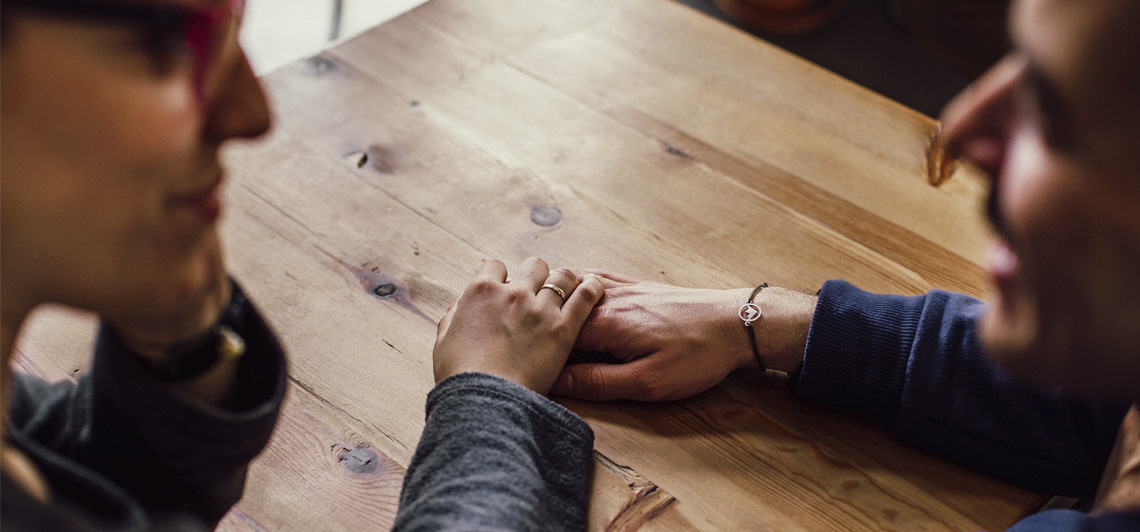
445,321
603,382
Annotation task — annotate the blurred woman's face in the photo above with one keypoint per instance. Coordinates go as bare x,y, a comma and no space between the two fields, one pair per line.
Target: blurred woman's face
109,198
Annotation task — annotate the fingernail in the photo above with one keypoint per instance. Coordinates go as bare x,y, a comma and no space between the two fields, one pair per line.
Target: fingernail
564,384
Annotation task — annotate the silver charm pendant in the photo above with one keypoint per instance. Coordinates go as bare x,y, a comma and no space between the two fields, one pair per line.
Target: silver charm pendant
749,312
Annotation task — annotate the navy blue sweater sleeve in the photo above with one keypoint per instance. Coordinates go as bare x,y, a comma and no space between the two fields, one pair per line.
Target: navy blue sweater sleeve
496,456
1074,521
916,364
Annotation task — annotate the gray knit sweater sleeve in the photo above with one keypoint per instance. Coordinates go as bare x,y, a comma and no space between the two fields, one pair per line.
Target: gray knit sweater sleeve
496,456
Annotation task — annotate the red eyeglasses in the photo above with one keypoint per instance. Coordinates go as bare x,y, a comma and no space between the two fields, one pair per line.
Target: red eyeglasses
202,30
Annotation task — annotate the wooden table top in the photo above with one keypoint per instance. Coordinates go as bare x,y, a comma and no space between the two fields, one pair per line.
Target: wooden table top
633,135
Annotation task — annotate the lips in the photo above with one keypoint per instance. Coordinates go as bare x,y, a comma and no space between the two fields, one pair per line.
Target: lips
205,203
1003,266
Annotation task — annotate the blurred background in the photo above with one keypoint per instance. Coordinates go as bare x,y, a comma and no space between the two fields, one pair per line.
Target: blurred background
917,52
278,32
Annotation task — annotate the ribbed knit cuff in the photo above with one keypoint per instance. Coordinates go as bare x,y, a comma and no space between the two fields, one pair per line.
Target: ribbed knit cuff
858,348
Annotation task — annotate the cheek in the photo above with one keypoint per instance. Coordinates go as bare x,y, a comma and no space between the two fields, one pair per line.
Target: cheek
90,183
135,149
148,125
1046,210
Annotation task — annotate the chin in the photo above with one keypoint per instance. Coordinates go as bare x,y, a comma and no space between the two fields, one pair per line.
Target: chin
1010,338
1016,343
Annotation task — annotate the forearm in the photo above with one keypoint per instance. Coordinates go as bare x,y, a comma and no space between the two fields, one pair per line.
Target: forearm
917,365
496,456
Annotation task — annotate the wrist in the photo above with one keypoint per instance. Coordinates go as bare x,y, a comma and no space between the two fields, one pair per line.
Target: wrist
738,334
780,331
786,332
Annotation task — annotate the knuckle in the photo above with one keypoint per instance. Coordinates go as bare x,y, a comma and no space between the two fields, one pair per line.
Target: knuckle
603,313
592,291
482,287
595,380
562,330
516,297
530,318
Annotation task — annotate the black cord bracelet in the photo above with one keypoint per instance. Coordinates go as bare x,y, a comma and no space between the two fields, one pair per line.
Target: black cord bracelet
750,312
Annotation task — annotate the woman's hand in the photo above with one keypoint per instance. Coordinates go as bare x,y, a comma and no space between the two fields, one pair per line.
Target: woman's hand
515,329
675,342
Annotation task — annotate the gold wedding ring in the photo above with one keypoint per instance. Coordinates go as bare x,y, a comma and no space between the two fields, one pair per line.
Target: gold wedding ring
557,290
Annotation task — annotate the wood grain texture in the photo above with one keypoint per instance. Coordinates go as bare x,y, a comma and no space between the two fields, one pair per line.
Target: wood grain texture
321,471
633,135
623,500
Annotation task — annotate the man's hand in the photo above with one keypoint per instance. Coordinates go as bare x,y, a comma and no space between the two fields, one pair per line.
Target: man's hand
1120,485
675,342
517,329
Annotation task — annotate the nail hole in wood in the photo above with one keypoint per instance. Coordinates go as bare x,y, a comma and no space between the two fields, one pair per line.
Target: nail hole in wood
358,159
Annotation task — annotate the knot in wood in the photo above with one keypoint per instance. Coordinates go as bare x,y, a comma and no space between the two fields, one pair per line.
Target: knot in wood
359,459
545,215
385,290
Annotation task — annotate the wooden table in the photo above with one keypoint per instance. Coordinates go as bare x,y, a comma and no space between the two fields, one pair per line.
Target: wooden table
634,135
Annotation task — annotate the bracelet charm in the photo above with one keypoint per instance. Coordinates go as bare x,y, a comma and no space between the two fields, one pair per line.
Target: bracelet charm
750,312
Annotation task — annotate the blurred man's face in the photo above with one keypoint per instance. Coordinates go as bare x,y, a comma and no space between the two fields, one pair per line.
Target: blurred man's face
1056,126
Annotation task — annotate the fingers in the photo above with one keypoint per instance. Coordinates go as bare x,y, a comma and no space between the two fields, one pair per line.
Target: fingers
607,277
565,281
532,275
491,270
605,382
582,301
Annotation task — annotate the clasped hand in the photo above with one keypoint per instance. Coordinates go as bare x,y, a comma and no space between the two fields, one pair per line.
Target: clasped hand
515,329
673,342
668,342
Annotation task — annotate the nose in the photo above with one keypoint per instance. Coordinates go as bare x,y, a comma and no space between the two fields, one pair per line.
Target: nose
239,109
976,125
